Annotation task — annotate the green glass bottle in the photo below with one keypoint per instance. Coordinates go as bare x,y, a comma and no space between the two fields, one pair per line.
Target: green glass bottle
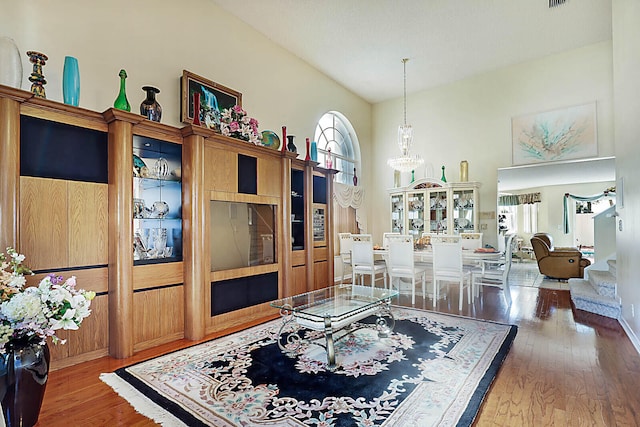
122,103
443,179
413,175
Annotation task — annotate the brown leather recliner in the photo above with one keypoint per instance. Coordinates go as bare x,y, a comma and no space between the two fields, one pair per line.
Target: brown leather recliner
557,263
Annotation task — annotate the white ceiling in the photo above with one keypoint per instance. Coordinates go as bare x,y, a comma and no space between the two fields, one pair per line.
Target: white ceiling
360,43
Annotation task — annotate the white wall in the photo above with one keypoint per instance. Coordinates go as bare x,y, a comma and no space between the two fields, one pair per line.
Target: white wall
154,40
471,120
626,63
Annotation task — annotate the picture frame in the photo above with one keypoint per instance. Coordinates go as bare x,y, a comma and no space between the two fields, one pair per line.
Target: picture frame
555,135
212,95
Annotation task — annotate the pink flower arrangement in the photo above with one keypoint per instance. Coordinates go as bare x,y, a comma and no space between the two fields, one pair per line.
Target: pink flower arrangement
235,123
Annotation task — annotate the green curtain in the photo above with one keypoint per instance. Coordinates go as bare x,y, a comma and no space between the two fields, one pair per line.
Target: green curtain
519,199
606,193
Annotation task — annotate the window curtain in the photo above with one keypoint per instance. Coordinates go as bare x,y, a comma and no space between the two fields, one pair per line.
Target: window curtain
519,199
606,193
350,196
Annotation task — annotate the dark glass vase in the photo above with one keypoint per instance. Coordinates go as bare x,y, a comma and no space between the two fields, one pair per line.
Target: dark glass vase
291,146
150,107
24,371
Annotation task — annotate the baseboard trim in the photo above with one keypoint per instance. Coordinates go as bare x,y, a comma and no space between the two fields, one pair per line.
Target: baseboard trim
632,336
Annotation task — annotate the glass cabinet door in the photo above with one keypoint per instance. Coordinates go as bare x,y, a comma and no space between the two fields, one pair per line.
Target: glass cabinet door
415,214
463,206
397,213
438,210
157,201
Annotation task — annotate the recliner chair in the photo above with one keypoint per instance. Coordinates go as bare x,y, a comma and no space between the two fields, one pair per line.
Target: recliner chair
557,263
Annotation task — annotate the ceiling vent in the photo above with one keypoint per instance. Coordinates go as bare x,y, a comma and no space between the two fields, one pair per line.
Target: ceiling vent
555,3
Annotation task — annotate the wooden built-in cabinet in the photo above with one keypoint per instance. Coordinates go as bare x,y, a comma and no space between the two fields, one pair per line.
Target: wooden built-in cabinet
75,202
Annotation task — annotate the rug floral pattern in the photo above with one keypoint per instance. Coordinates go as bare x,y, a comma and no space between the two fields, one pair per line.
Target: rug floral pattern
433,369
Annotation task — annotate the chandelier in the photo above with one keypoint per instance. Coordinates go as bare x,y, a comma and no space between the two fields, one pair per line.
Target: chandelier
406,162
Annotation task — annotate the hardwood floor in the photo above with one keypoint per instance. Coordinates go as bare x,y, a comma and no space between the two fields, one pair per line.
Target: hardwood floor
565,368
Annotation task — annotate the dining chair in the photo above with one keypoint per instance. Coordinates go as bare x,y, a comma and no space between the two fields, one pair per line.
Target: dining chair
362,262
385,238
401,264
495,272
471,241
448,266
345,252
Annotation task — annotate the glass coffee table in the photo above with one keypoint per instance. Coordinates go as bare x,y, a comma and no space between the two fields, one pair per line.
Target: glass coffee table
336,311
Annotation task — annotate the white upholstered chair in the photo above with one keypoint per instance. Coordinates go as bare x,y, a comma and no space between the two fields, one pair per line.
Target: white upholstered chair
448,267
401,265
495,272
471,241
385,238
345,252
362,262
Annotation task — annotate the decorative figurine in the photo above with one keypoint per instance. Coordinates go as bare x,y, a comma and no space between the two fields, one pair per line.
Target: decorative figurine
37,78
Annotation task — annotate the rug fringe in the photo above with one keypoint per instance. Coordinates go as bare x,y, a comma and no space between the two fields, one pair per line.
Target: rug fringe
140,402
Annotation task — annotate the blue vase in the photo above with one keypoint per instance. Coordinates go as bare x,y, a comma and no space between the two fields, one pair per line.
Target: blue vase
71,81
314,151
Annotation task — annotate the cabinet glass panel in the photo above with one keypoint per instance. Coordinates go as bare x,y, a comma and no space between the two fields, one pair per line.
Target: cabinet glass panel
297,209
415,214
463,206
157,201
397,213
438,211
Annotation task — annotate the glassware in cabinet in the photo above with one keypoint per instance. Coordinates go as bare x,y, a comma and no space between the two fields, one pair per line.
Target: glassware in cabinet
397,213
297,209
438,201
463,210
157,201
415,214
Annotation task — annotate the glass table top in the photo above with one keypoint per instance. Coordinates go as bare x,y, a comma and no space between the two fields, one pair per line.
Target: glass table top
335,301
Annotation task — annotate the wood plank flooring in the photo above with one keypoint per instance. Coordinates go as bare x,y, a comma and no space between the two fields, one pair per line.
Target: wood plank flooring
565,368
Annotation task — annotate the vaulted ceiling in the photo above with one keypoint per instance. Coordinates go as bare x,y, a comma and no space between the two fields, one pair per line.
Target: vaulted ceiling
360,43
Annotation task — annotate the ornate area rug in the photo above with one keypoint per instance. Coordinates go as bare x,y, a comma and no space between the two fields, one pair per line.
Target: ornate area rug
433,369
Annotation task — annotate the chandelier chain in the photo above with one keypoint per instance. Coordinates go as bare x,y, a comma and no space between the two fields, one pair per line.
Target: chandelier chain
404,66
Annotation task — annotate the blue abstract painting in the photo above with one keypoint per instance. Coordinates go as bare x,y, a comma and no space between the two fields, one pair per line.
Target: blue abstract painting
562,134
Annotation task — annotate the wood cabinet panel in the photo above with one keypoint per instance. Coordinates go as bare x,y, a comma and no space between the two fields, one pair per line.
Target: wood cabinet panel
88,223
43,222
320,275
152,329
221,170
299,276
269,177
153,275
88,342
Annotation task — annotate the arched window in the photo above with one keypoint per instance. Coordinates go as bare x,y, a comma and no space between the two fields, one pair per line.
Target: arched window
334,132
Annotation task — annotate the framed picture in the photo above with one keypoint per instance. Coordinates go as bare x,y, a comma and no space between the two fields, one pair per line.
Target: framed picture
562,134
214,98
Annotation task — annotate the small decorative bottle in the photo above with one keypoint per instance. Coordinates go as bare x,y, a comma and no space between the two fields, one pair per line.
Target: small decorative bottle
37,78
443,179
355,178
284,139
329,160
308,156
121,102
464,171
150,107
413,175
291,146
196,109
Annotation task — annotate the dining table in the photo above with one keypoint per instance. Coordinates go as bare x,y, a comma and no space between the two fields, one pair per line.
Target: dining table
469,256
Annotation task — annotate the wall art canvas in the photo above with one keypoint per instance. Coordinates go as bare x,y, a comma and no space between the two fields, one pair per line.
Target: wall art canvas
562,134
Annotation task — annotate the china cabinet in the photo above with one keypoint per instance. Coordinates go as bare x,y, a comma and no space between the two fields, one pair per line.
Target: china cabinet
157,201
434,206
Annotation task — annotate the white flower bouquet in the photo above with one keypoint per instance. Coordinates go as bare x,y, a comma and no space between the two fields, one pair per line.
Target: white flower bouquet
30,315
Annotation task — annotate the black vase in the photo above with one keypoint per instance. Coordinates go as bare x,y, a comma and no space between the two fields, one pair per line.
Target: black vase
150,107
24,371
291,146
